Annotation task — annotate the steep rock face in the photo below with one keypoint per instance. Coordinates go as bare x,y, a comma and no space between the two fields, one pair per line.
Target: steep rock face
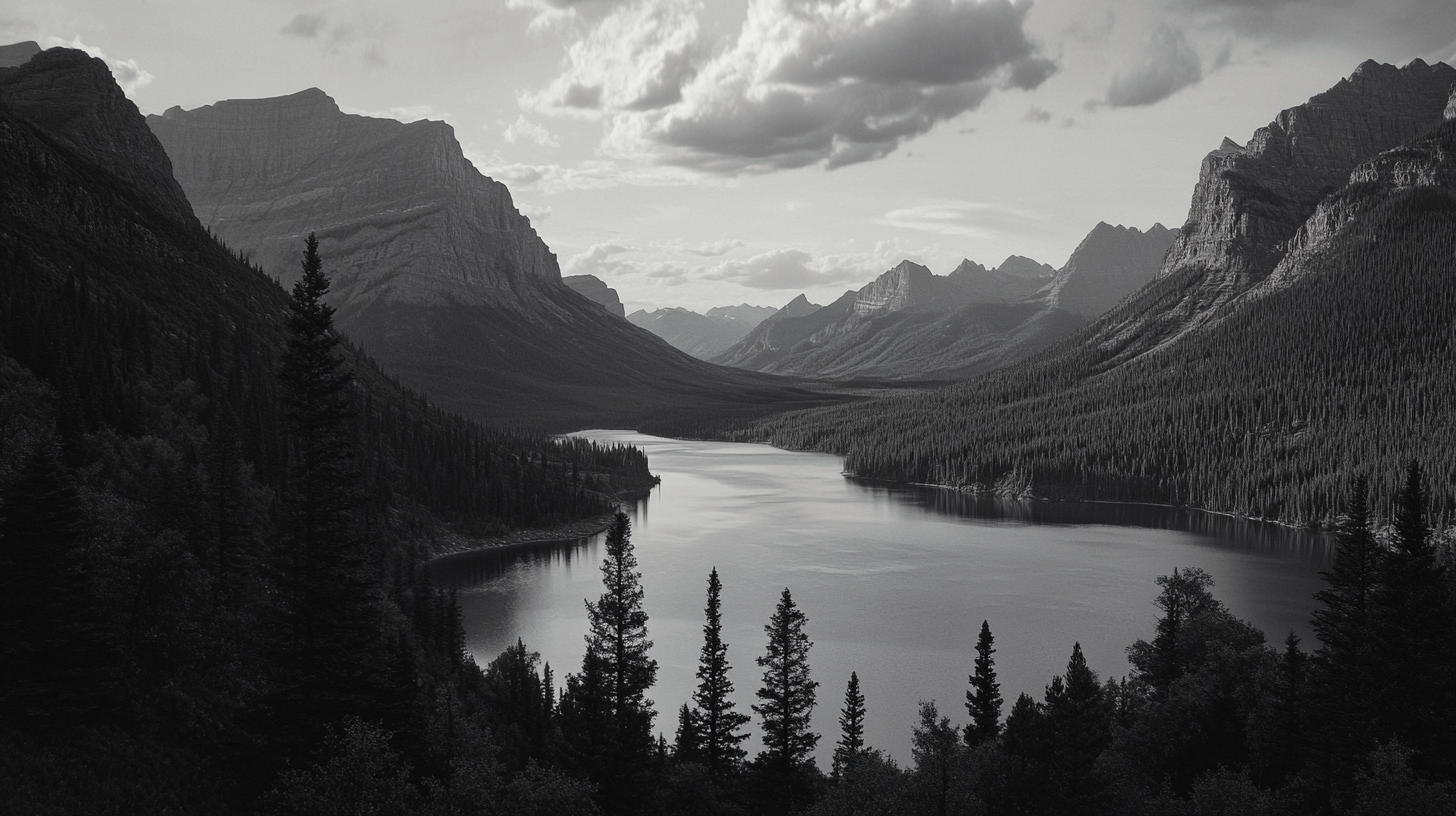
401,215
905,286
1251,201
436,274
1110,263
597,291
73,97
17,54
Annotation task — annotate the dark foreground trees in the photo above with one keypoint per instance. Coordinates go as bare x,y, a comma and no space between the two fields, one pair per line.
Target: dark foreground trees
605,714
787,701
719,726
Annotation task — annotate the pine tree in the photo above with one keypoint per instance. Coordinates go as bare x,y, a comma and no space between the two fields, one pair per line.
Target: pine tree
611,717
718,721
1344,662
330,664
1413,624
1078,718
688,744
851,726
788,702
983,699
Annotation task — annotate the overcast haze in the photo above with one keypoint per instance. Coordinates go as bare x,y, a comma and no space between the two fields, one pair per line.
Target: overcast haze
705,153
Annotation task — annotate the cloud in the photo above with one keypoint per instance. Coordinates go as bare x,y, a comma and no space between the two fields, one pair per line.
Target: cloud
1167,65
1037,115
128,74
592,174
964,218
714,249
786,269
523,129
599,260
535,212
308,26
804,83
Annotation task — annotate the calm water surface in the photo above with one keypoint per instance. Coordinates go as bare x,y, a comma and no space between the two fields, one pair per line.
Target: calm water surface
895,581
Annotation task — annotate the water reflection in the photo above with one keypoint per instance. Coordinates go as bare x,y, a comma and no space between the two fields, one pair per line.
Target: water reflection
895,580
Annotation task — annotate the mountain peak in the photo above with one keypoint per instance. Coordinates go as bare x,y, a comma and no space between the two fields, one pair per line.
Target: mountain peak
17,54
73,98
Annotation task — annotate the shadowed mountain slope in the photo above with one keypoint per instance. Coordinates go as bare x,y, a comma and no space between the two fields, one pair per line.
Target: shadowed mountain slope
436,273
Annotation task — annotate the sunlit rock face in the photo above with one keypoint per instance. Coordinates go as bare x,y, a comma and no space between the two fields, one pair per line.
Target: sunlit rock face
400,213
1251,201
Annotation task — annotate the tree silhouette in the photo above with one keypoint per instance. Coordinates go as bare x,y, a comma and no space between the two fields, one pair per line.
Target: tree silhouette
851,726
718,722
983,699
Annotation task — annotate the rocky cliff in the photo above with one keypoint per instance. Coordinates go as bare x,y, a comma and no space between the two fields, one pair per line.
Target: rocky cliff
73,97
435,272
1015,279
400,213
1251,201
597,291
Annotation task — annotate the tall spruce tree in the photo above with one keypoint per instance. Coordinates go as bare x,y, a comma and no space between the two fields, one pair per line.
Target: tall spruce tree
1344,662
983,699
1413,624
330,664
851,727
718,723
611,717
787,697
1078,718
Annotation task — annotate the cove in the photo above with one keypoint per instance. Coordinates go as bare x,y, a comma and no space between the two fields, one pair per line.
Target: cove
895,580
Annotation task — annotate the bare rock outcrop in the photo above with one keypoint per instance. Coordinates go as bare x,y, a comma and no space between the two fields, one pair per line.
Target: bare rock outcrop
1109,264
400,213
597,291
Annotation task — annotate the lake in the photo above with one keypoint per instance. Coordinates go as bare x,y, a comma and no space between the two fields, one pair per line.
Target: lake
895,581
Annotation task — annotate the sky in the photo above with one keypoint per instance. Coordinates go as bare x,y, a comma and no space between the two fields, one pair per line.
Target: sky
704,153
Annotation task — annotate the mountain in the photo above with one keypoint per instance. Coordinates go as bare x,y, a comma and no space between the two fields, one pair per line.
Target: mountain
1298,335
702,335
17,54
597,291
436,273
911,324
114,296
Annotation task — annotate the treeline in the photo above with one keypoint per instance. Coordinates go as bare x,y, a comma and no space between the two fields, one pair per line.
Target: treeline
1212,719
1265,412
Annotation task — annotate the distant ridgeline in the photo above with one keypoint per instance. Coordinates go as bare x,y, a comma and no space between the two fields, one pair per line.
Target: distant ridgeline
1299,333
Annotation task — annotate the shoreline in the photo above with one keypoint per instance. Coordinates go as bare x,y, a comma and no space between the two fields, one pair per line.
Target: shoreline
451,543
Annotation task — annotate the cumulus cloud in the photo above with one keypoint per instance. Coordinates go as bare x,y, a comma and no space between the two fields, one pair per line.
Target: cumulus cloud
530,131
714,249
1037,115
128,74
1167,65
805,82
599,260
786,269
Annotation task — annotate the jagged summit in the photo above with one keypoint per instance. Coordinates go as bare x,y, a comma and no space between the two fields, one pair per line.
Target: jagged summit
74,97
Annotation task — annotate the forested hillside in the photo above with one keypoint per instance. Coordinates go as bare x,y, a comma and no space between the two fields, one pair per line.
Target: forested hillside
1338,364
180,602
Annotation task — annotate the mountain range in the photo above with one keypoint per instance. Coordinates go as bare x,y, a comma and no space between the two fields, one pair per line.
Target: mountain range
702,335
1297,335
435,272
911,324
